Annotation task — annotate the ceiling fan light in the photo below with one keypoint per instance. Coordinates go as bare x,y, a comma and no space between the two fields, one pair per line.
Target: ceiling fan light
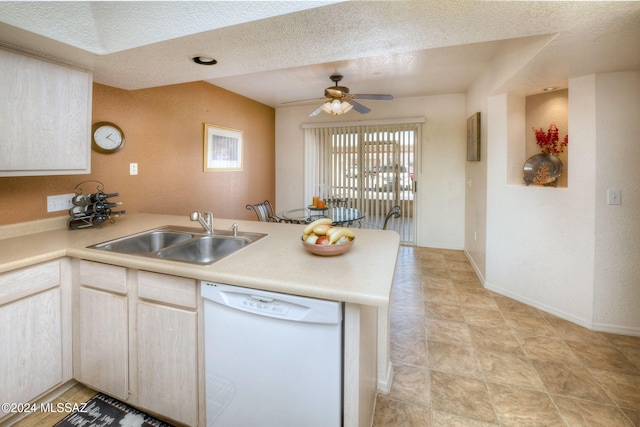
340,101
336,107
326,107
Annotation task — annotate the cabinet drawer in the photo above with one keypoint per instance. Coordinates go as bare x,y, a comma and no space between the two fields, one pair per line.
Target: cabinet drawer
103,276
167,289
30,280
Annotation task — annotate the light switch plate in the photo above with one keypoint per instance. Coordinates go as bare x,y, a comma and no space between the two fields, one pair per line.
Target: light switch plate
61,202
614,197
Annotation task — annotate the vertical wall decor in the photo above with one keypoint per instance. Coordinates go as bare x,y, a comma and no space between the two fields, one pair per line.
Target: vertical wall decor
222,148
473,138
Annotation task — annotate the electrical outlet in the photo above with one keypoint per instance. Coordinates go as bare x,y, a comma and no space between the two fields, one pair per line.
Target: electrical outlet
133,169
61,202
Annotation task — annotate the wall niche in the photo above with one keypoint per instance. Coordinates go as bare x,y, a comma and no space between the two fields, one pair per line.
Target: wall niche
540,111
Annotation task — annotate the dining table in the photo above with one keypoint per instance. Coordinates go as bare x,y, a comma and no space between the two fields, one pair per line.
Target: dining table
339,215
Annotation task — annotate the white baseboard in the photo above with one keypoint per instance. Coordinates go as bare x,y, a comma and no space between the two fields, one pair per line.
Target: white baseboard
616,329
599,327
384,384
475,267
543,307
594,326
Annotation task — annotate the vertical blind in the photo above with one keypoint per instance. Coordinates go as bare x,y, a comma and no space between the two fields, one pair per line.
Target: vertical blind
371,166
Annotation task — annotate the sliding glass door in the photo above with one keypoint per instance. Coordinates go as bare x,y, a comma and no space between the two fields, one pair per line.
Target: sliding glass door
368,167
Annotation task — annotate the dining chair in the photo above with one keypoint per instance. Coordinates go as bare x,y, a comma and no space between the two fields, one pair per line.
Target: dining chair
394,212
338,201
264,211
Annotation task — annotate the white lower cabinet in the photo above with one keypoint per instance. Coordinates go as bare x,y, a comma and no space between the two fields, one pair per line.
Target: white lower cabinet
137,339
104,352
101,327
167,361
167,346
35,333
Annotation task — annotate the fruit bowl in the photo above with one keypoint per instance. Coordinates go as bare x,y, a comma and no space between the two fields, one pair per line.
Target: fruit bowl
328,250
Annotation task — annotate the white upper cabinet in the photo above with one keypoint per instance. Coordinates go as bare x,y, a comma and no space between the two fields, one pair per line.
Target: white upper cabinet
45,117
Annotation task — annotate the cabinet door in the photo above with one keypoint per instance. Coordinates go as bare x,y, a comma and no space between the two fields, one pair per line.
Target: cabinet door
45,117
30,347
103,342
167,361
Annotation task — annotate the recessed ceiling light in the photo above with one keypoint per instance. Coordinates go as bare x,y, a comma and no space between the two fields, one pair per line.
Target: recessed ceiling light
204,60
551,88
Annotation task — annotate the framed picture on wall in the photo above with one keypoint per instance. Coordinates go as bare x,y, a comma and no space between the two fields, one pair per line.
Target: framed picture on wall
222,149
473,138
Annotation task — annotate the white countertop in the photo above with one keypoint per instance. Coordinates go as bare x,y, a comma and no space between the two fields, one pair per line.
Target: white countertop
278,262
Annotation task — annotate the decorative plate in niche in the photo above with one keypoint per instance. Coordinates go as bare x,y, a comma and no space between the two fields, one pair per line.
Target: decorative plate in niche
542,169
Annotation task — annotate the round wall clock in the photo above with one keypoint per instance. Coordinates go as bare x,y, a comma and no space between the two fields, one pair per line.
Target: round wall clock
106,137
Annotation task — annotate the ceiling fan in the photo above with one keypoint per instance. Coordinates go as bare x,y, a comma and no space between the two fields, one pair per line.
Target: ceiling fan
341,101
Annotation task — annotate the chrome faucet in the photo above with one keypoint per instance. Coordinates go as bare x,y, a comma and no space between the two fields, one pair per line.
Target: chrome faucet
206,223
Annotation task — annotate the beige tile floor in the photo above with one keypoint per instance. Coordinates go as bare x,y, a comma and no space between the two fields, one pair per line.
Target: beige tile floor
466,356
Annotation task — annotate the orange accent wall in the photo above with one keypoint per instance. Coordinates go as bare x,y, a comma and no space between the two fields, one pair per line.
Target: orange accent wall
163,129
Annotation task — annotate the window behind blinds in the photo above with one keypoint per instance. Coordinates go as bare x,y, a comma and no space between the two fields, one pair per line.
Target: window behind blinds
371,166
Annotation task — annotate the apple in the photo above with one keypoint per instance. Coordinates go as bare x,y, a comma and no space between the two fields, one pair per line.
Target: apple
323,240
311,238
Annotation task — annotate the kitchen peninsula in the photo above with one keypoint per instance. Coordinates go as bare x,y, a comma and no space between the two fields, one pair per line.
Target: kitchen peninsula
361,278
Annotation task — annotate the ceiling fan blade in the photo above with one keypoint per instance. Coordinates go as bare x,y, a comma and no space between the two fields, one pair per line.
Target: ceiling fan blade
300,100
359,107
316,111
374,97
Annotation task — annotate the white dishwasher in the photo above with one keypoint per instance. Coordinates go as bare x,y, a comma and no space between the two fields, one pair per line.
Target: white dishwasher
271,360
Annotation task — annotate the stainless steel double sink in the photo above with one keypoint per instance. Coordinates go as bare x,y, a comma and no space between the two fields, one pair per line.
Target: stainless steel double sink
183,244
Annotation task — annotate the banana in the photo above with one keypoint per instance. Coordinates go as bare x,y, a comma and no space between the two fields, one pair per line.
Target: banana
309,228
342,232
333,230
322,229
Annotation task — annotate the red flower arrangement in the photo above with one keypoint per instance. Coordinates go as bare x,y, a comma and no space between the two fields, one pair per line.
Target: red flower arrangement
548,142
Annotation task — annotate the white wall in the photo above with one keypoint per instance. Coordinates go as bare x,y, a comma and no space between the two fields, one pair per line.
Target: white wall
476,189
617,238
565,250
441,176
493,80
562,250
540,245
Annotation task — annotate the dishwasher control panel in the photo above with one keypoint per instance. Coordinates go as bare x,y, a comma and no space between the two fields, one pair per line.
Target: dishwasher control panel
266,303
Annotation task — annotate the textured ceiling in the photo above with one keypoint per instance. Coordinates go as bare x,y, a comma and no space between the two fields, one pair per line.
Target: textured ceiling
104,27
278,52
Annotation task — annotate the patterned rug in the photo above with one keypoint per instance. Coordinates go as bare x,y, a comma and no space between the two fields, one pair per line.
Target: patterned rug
102,411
